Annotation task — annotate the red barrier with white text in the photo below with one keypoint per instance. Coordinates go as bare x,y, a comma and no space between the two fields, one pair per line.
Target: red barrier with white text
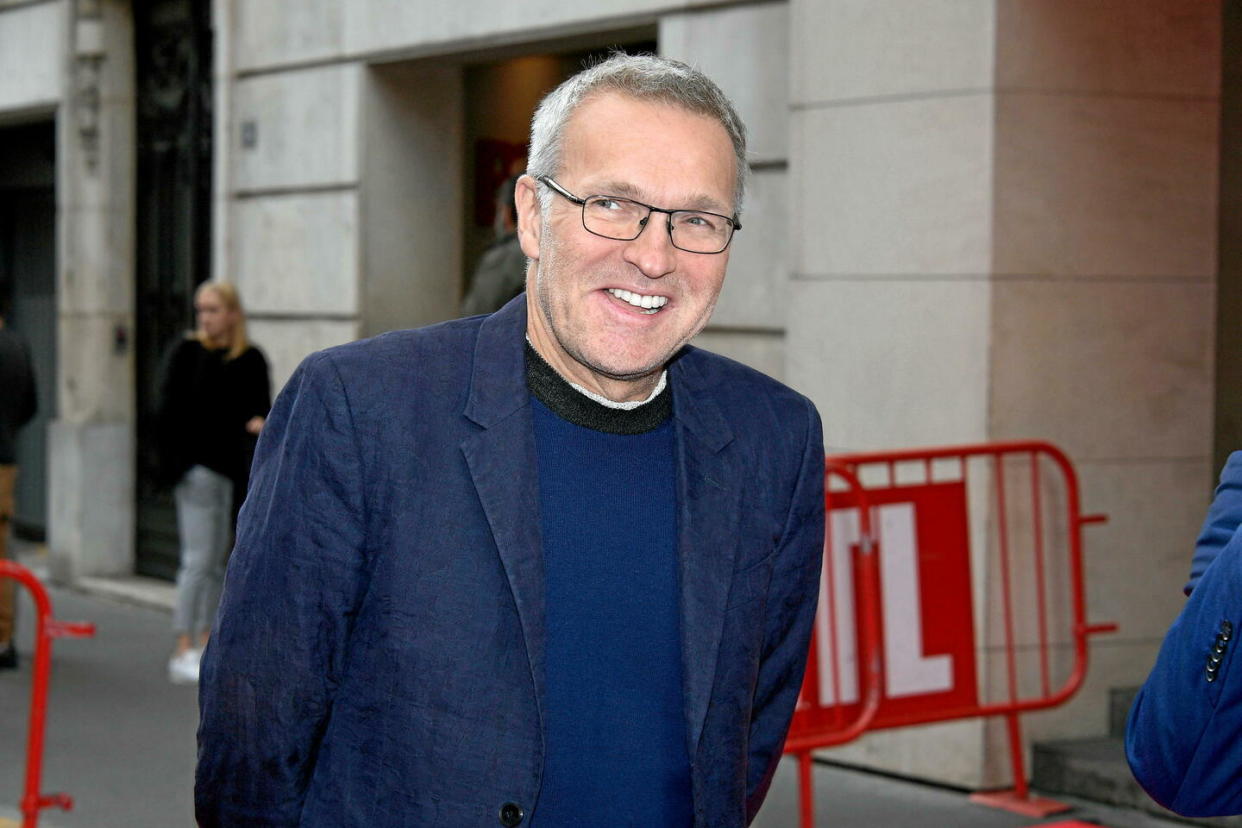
937,564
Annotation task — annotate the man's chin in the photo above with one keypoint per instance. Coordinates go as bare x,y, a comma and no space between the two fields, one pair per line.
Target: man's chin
631,371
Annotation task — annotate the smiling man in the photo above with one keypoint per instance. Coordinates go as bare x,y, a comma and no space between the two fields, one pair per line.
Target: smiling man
552,566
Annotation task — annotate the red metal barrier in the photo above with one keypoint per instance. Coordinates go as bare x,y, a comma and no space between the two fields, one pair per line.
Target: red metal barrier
960,534
817,726
46,629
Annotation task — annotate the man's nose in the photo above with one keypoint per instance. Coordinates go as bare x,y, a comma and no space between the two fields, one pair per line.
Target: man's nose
653,252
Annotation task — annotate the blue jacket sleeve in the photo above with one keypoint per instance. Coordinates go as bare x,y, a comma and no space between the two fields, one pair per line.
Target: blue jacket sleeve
1222,520
293,583
1184,733
790,615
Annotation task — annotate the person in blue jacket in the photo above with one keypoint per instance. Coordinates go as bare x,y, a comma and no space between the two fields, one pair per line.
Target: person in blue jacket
551,566
1184,733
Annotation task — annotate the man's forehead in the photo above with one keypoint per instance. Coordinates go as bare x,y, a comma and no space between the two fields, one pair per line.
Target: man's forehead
610,128
686,200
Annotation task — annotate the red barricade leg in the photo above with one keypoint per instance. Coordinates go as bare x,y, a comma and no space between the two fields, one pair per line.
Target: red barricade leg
1019,799
46,628
806,798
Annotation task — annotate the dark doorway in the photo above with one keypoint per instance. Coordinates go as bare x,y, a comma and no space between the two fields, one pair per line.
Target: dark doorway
28,289
173,64
500,97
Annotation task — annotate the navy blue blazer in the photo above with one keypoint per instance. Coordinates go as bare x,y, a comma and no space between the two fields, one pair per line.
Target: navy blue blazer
1184,733
378,654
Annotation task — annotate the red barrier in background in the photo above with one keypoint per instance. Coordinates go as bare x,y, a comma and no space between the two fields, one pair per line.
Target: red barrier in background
899,534
46,629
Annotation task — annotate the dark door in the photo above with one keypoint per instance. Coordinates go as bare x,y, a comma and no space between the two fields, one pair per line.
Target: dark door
28,288
172,46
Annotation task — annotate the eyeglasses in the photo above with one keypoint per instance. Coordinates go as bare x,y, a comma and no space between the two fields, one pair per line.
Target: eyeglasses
623,219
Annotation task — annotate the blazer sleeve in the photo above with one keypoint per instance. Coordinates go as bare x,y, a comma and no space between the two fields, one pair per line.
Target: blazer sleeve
1222,520
792,602
294,581
1185,726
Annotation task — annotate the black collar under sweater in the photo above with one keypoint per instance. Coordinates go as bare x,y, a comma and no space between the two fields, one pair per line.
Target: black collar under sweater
551,389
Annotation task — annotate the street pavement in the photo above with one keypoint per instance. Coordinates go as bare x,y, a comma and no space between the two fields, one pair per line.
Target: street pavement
120,738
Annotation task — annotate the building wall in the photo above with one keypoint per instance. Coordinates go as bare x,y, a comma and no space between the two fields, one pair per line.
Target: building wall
892,131
1104,275
75,61
1005,228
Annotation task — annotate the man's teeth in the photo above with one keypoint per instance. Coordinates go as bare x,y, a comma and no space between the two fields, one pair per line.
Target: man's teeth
650,304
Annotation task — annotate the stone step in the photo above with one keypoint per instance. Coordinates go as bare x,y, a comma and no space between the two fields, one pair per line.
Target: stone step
1096,769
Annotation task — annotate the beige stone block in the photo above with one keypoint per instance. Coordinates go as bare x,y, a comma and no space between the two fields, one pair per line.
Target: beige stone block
1133,568
91,504
847,49
97,261
1089,186
1169,47
436,25
287,341
298,253
411,197
273,32
304,126
757,282
94,374
1137,563
762,351
32,55
892,364
894,188
1106,370
736,47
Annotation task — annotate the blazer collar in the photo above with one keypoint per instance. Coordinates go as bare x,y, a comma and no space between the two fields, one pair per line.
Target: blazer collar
498,376
709,481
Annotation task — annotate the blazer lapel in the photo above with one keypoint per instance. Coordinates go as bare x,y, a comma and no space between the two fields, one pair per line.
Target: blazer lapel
502,464
708,490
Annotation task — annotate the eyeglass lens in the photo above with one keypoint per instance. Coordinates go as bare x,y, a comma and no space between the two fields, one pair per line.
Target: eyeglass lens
622,219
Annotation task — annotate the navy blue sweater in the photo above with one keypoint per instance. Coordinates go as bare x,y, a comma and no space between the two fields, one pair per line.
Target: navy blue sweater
615,727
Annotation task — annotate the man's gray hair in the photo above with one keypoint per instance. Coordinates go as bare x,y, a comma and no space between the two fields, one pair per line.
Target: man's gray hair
647,78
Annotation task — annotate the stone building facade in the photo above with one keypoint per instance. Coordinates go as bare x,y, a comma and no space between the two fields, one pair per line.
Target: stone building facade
969,220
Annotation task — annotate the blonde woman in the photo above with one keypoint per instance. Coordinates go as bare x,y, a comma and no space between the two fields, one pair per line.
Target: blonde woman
215,395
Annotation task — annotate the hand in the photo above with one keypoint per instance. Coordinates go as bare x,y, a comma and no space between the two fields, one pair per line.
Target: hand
254,425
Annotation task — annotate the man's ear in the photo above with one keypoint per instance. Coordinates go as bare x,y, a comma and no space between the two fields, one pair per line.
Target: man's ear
530,220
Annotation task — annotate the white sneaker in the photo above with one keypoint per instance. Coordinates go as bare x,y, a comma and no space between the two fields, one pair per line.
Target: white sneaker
183,669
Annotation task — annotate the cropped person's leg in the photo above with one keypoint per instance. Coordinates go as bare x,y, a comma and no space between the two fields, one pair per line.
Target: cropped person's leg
196,529
220,533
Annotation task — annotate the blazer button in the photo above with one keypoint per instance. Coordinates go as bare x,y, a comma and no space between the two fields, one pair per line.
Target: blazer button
1226,630
511,814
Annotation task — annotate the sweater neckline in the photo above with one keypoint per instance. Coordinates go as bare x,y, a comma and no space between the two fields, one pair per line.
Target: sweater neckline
570,404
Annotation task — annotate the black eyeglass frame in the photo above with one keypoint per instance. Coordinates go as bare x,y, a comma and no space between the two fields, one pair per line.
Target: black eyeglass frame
642,225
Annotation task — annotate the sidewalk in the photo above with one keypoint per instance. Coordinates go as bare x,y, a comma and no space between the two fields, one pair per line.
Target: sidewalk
120,738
